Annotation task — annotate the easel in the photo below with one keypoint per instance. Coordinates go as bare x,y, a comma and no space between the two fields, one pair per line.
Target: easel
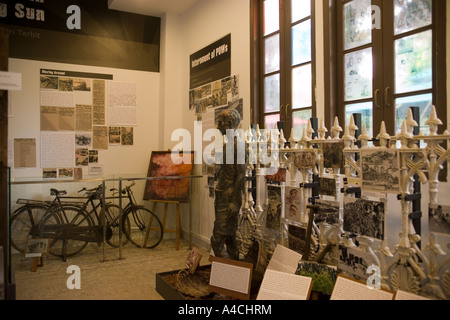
177,231
37,262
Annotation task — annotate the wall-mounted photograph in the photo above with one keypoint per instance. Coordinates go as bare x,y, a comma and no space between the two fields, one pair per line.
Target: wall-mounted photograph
364,217
380,170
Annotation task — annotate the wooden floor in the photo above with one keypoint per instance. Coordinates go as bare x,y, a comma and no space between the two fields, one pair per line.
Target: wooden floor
130,278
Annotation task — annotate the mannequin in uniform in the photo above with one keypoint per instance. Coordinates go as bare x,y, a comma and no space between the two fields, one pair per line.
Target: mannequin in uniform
228,192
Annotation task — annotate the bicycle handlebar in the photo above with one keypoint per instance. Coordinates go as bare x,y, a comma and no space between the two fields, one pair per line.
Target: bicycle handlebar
95,190
124,190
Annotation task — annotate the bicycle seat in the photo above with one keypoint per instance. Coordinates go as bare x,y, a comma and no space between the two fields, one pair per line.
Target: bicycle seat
54,192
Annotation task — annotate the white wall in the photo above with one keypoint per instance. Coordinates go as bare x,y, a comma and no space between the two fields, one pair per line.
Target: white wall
172,64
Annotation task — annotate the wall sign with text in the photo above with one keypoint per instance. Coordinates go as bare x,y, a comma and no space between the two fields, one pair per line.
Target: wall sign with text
81,32
211,63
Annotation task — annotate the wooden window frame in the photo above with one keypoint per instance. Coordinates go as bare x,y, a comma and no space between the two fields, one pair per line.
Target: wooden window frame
333,48
257,65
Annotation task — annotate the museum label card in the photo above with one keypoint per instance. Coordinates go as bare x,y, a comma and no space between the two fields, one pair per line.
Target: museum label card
349,289
403,295
284,260
231,278
278,285
10,81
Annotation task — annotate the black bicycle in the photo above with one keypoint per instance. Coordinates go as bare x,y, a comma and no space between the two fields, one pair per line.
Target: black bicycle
140,225
26,218
71,226
74,221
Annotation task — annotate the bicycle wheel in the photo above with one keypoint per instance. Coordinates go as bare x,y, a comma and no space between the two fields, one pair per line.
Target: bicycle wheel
23,224
142,227
113,219
67,227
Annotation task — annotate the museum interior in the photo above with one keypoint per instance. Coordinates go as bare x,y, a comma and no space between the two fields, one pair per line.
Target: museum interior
227,150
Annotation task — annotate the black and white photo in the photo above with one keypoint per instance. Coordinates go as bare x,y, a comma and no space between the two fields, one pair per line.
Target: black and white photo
439,218
305,159
328,212
83,139
364,217
333,156
380,170
273,220
327,186
297,238
293,204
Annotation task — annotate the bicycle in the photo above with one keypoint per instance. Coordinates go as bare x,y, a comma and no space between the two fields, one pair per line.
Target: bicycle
26,218
70,228
112,213
140,225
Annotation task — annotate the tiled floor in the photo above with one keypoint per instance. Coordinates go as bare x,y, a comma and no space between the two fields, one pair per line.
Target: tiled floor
130,278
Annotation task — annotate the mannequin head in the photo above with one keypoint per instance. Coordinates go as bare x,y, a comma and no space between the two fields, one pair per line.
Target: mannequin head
228,120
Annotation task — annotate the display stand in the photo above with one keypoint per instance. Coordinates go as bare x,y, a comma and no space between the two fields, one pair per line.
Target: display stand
37,262
177,231
35,249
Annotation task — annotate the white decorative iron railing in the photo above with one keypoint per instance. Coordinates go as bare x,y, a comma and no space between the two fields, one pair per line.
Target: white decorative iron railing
359,169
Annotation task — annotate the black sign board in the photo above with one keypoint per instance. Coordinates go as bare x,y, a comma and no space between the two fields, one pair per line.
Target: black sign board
82,32
211,63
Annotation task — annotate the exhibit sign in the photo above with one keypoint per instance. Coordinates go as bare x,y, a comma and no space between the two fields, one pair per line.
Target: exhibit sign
11,81
211,63
81,32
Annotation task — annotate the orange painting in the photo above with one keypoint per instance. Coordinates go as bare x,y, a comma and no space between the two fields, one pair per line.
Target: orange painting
170,189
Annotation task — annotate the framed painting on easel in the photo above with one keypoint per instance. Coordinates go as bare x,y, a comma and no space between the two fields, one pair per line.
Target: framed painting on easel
169,185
